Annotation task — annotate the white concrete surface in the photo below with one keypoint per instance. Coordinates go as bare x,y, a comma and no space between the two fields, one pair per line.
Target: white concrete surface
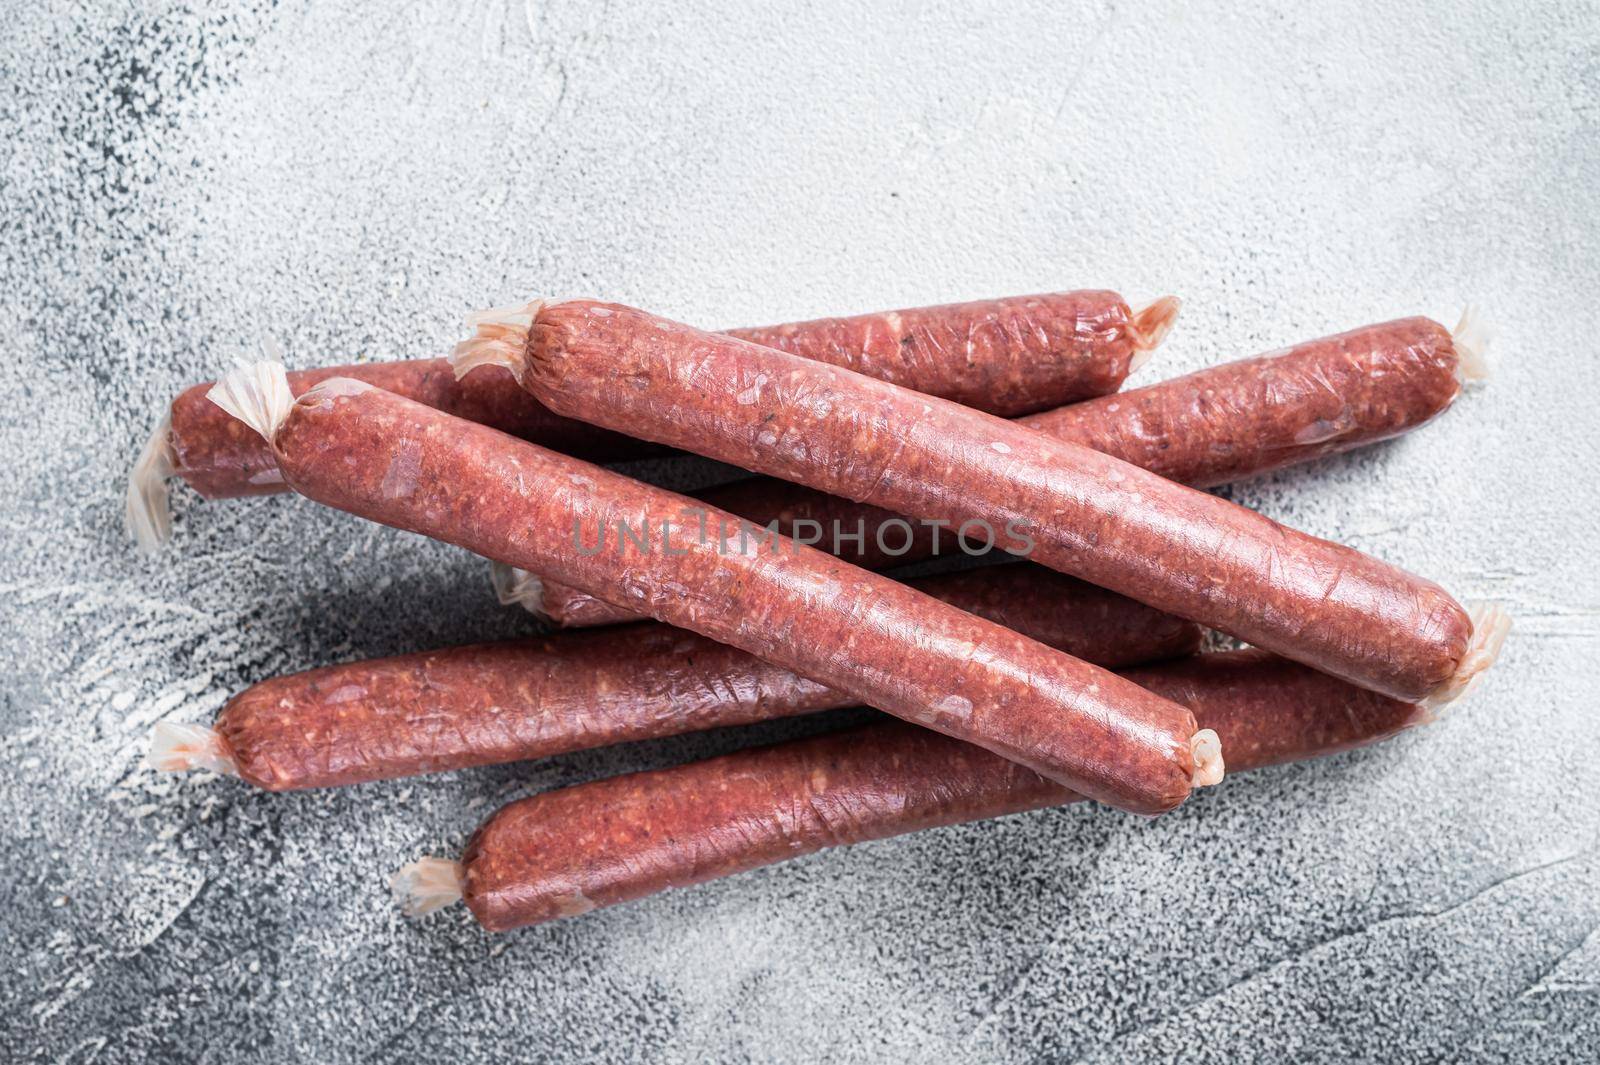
349,178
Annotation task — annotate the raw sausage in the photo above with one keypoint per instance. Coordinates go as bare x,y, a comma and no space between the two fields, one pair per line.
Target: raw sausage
1260,414
1219,424
361,449
1061,504
523,699
572,850
221,458
1011,356
1008,357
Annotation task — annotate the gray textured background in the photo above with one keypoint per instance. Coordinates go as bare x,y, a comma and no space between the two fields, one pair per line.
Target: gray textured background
349,178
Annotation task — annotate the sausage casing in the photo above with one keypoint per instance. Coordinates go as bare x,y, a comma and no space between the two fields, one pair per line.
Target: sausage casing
1263,413
1006,356
1216,425
1066,506
220,457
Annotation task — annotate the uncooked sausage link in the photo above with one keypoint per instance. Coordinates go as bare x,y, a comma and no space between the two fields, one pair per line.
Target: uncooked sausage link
220,457
1007,356
504,702
391,460
598,844
1260,414
1073,509
1219,424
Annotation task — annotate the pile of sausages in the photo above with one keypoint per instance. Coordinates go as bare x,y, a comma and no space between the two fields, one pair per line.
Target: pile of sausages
994,427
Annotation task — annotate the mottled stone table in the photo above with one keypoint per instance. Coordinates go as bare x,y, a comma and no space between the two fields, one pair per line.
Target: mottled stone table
347,179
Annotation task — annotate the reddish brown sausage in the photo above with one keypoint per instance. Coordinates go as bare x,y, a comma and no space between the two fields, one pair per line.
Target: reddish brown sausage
1008,357
1260,414
1219,424
1064,505
386,458
568,851
220,457
523,699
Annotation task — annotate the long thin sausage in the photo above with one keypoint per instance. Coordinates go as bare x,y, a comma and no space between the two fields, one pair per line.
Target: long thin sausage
1306,402
1071,508
565,852
1219,424
361,449
1011,356
525,699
